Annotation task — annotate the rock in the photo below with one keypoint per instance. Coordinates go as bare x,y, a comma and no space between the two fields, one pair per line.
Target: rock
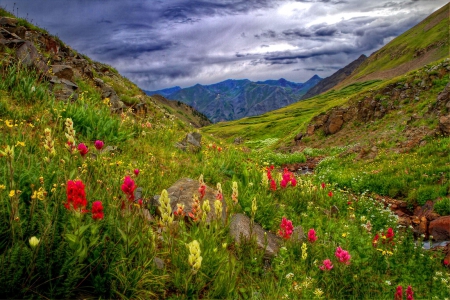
334,211
64,89
299,137
191,142
440,228
444,125
159,263
182,192
63,71
29,56
8,22
138,193
298,234
334,122
240,228
238,140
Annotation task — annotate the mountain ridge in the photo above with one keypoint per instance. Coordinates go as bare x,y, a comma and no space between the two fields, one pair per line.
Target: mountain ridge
233,99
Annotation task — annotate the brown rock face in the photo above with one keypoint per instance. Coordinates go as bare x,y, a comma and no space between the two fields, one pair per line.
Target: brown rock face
334,123
440,228
444,125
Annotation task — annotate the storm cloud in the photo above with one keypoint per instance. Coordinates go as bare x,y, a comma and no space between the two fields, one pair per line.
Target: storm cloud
160,44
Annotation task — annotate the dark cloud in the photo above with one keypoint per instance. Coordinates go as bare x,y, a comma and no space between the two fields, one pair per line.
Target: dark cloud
159,44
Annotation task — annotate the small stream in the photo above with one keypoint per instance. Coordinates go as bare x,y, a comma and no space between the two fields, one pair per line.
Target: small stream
427,245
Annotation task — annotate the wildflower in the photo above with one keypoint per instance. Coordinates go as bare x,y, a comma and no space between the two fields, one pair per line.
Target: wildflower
70,135
254,207
330,194
235,193
390,234
446,262
342,255
264,180
206,209
22,144
9,152
180,210
318,292
219,195
34,241
399,293
49,144
322,185
375,240
202,188
39,194
194,259
289,276
312,237
128,187
83,149
409,293
166,209
286,228
97,210
326,265
12,193
196,211
76,196
2,187
9,123
99,145
273,185
136,172
218,208
304,253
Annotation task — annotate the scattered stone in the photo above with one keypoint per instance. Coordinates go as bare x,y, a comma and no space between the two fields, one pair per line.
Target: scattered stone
138,193
238,140
191,142
298,235
240,228
159,263
440,228
63,71
334,211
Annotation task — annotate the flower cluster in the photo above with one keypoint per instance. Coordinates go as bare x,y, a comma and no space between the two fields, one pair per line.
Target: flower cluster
196,211
387,237
215,147
97,210
288,177
76,196
206,209
399,293
286,228
342,255
326,265
235,193
70,135
202,187
166,209
49,144
219,195
194,259
312,237
83,149
180,210
273,184
218,208
304,251
99,145
128,188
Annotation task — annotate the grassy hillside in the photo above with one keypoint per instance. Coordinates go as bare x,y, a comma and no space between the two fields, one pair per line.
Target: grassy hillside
72,226
424,43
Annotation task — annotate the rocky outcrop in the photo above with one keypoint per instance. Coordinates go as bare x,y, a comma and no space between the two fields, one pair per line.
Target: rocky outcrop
192,142
440,228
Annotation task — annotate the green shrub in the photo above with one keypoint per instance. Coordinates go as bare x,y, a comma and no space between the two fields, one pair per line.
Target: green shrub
442,207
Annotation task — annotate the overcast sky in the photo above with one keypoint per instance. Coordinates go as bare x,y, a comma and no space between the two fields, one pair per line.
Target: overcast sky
160,44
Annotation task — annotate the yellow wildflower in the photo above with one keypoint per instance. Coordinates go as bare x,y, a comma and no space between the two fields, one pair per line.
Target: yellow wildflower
2,187
34,241
9,123
12,193
20,144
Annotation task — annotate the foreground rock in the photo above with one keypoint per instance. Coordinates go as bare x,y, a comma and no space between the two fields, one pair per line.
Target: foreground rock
182,192
440,228
191,142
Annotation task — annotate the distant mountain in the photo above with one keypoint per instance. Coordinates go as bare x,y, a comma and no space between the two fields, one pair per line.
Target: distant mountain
331,81
164,92
235,99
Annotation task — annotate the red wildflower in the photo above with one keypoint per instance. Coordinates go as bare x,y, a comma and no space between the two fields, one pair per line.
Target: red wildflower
273,185
202,190
99,144
327,265
283,183
409,293
286,228
76,196
97,210
293,181
312,237
83,149
323,185
330,194
342,255
446,262
390,234
399,293
375,240
136,172
128,187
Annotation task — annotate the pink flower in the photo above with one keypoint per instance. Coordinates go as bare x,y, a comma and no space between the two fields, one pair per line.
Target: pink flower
399,293
128,188
293,181
286,228
283,183
312,237
99,144
136,172
76,195
342,255
409,293
327,265
97,210
83,149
